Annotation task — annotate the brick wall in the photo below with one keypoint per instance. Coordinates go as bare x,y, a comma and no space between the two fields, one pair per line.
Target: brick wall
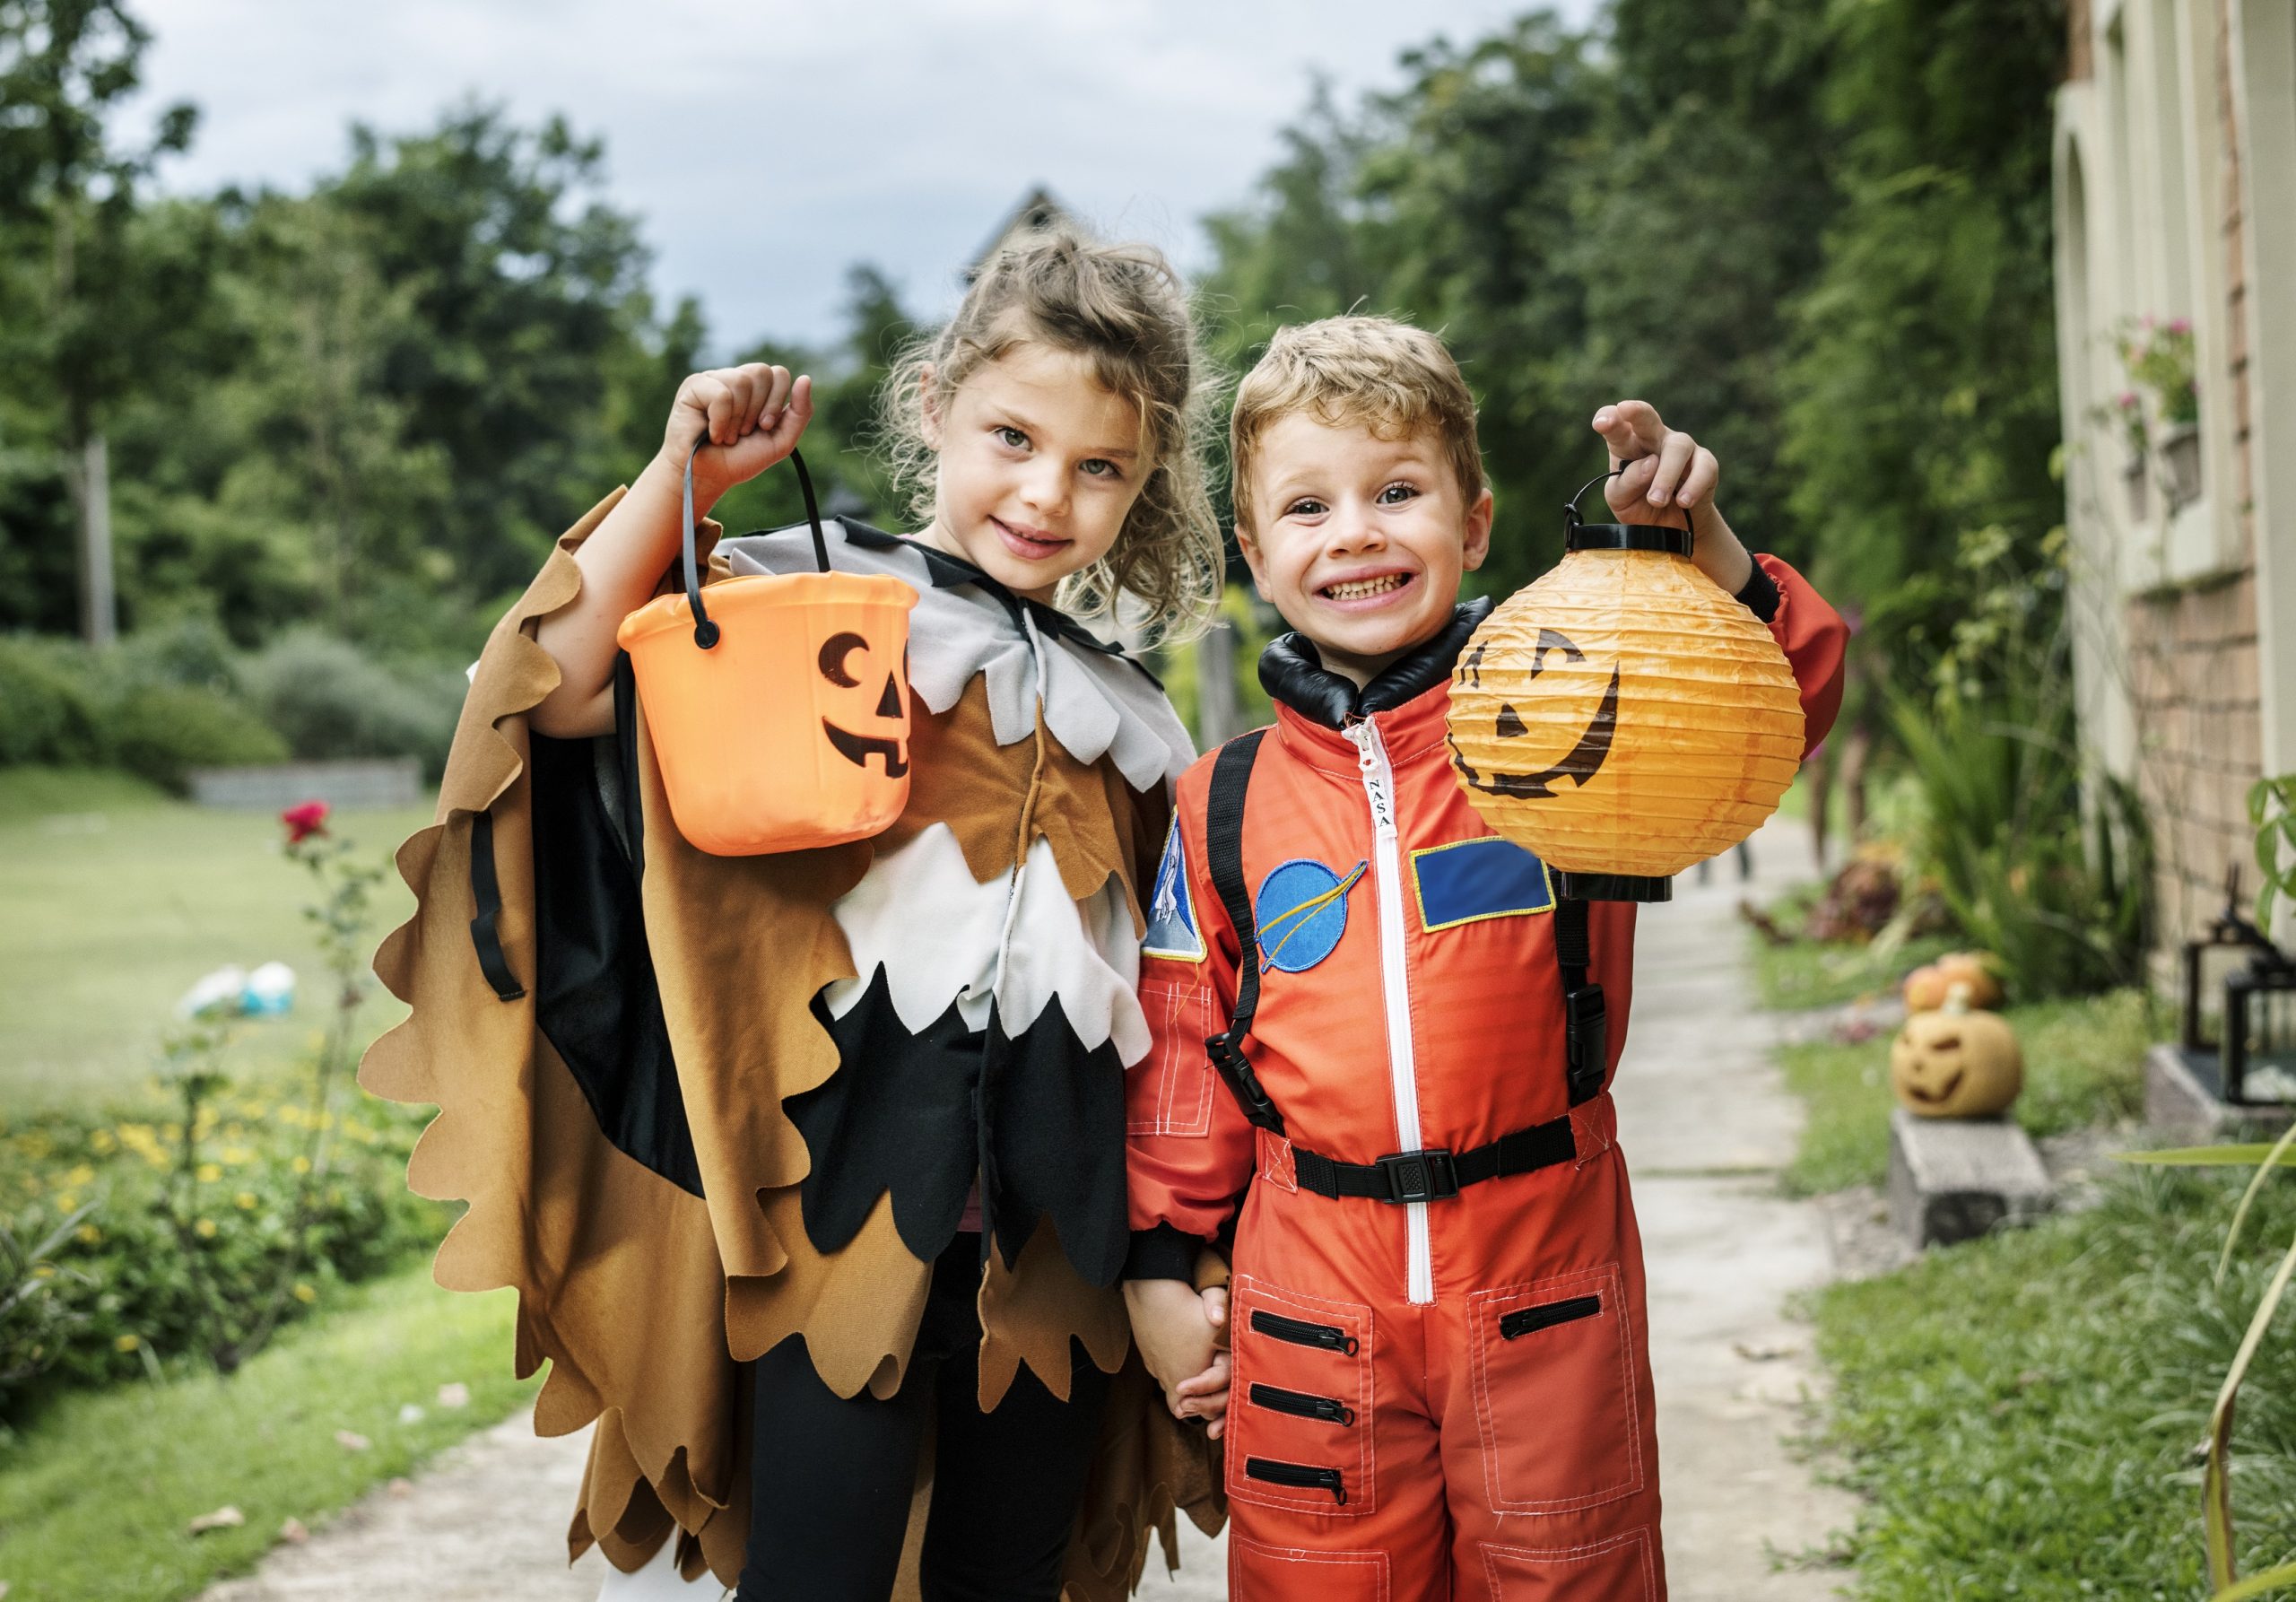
2194,686
2193,677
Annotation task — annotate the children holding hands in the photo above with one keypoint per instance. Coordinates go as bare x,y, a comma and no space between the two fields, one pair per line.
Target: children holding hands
1436,1382
818,1173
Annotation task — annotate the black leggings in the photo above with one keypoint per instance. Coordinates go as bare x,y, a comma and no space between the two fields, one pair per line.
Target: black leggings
831,1479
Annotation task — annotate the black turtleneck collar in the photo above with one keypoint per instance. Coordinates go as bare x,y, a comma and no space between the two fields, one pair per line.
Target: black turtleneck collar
1293,671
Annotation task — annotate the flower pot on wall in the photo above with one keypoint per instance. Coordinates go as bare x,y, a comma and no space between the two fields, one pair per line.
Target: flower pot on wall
2137,477
2180,464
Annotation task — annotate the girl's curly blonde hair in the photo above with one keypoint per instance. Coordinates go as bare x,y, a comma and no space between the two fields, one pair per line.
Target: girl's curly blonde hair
1124,309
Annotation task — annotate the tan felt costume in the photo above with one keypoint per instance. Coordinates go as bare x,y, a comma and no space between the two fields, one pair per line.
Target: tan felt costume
646,1298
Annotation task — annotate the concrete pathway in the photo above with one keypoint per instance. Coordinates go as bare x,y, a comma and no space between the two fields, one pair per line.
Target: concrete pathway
1705,1126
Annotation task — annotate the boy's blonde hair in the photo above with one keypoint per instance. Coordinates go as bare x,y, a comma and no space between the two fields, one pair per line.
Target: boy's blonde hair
1124,309
1372,371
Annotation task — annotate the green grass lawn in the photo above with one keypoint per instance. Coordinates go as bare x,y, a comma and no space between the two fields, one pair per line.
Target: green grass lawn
118,897
2020,1413
2083,1065
97,1493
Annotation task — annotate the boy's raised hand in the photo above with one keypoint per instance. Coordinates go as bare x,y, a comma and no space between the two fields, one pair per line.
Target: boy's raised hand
1667,472
752,415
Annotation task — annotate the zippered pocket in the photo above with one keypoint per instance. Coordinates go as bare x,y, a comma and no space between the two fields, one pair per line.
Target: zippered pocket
1559,1393
1525,1321
1301,1402
1298,1404
1301,1333
1298,1476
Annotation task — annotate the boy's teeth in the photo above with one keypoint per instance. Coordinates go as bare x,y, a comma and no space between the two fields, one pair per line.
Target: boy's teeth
1360,587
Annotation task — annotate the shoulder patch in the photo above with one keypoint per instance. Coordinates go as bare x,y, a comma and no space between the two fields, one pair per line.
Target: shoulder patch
1471,880
1302,912
1172,933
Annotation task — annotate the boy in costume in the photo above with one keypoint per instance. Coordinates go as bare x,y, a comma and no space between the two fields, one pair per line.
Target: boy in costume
1439,1384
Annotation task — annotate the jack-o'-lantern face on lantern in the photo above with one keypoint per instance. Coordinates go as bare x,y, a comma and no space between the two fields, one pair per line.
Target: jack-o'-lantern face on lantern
1621,718
885,731
1956,1065
1537,768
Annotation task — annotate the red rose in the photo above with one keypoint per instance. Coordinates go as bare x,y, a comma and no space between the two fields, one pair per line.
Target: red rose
304,821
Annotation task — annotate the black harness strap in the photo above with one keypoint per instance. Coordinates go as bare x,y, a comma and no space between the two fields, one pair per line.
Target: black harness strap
1429,1175
1231,778
487,892
1586,1019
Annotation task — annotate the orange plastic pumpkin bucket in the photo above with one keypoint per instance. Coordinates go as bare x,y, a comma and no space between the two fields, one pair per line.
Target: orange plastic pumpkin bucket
779,712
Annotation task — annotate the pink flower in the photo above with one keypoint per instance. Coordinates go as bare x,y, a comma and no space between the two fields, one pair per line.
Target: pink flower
303,820
2127,402
2182,325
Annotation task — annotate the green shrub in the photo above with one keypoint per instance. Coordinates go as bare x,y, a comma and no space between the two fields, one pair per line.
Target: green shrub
159,731
49,709
329,699
136,1280
63,705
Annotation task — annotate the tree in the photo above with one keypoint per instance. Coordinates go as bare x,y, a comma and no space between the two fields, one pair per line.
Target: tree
103,305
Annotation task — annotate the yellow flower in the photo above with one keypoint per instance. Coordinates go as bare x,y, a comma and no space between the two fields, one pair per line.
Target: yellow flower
204,1229
125,1343
301,1164
65,1203
103,1143
45,1271
246,1200
87,1234
81,1175
209,1173
305,1294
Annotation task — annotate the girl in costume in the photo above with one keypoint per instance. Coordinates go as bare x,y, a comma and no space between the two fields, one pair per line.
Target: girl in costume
808,1167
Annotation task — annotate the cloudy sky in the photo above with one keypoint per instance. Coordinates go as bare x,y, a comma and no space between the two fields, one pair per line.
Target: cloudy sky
768,146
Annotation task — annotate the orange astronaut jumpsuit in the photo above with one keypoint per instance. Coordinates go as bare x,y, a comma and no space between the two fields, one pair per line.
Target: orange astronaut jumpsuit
1442,1384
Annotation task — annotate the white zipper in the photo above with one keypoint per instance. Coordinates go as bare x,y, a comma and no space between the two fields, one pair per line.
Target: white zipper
1395,981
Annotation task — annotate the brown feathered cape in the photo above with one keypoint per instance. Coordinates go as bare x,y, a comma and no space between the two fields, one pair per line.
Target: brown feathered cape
656,1069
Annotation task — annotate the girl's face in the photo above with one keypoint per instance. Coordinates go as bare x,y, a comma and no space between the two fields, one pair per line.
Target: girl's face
1039,467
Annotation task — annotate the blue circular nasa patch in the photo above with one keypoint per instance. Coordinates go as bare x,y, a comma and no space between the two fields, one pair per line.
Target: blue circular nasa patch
1302,912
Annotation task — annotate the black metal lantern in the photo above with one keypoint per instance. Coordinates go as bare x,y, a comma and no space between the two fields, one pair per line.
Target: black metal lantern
2252,1056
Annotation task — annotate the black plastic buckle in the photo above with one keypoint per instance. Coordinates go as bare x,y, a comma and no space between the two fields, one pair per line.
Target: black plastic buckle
1236,1068
1586,1041
1427,1175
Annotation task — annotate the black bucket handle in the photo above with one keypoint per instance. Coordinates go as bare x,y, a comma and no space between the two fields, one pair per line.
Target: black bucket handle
1581,535
705,631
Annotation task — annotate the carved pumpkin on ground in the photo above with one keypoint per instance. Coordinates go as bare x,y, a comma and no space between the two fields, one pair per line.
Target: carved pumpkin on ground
1623,718
1927,988
1956,1062
778,711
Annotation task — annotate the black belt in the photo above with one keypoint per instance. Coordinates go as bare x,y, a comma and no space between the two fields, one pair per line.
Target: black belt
1435,1174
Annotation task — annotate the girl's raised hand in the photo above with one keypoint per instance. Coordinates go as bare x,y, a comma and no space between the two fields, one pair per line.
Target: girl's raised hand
753,415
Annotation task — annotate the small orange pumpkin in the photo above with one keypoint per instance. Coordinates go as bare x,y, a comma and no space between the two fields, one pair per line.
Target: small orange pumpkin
1927,988
1956,1062
779,712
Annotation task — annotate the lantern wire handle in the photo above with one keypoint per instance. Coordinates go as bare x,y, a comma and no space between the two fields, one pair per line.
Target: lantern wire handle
705,631
1570,510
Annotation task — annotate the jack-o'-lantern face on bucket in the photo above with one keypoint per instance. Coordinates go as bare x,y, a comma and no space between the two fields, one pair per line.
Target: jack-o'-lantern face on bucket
792,730
885,733
1537,768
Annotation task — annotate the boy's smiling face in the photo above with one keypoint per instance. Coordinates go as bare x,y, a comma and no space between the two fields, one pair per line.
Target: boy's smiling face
1358,541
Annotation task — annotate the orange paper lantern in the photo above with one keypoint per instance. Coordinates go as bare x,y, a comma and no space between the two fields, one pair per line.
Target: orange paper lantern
779,713
1623,718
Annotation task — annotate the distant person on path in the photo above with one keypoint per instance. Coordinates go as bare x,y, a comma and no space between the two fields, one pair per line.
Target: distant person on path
1441,1385
801,1161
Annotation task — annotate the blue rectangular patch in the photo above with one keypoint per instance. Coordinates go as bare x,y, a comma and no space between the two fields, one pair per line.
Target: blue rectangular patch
1474,879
